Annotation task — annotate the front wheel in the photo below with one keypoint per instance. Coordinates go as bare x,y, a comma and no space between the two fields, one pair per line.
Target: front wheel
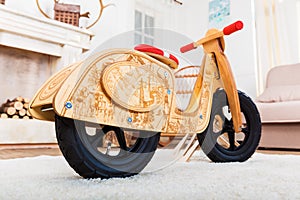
220,142
95,151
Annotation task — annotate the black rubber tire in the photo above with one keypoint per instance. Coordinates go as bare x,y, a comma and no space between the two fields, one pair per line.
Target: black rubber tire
247,147
83,161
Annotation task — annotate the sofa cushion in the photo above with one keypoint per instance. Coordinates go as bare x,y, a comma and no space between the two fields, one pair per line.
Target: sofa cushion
279,112
280,94
283,75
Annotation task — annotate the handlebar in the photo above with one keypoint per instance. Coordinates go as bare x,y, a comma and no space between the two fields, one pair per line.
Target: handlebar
238,25
187,47
233,28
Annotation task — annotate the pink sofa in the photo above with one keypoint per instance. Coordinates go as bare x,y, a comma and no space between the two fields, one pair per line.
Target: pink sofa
279,107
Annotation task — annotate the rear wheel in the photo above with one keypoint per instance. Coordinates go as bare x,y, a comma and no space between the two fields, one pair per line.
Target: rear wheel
95,151
220,142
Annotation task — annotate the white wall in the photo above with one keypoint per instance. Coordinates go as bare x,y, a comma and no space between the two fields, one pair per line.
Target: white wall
241,49
240,46
278,31
189,19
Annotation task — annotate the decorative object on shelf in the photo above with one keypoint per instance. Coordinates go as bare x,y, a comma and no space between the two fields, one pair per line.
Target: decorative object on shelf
70,13
16,109
2,2
67,13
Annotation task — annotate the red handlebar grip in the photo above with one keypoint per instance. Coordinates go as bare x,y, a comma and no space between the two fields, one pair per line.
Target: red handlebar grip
187,48
233,28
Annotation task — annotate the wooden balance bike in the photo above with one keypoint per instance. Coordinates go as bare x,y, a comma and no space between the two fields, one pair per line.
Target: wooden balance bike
111,109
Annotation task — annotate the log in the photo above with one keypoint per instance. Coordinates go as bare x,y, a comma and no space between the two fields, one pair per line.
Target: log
26,100
10,110
20,99
10,104
18,105
28,113
22,112
15,117
16,108
26,117
3,116
7,101
26,105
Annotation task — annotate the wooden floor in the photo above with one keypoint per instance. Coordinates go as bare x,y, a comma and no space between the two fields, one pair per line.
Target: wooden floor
30,150
280,151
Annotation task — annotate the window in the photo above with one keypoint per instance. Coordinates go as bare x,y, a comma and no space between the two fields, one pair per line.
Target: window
143,26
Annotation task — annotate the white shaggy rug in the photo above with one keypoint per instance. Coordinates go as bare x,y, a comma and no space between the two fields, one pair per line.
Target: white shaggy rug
261,177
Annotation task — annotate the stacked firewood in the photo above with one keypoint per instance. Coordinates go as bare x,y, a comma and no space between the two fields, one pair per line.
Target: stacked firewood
16,109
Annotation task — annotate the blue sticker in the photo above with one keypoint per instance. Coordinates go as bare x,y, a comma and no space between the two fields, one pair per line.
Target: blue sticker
68,105
201,116
169,91
129,119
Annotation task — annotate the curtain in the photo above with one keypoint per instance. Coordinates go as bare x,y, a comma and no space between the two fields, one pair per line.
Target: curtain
277,24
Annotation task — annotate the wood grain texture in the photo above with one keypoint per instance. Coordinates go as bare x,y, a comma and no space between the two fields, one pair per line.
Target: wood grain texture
128,89
93,103
217,48
45,95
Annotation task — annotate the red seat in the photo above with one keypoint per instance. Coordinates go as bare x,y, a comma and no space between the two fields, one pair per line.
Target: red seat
159,54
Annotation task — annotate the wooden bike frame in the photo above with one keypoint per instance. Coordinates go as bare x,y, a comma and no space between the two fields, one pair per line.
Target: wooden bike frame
214,43
130,89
